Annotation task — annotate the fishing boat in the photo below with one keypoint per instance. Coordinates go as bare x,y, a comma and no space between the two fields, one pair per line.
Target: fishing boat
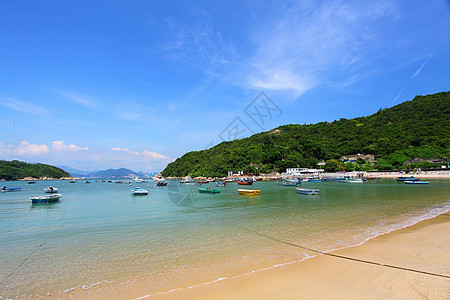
358,180
407,178
208,190
416,182
72,181
307,191
12,189
245,182
31,182
202,181
137,191
161,183
248,192
221,183
46,198
51,190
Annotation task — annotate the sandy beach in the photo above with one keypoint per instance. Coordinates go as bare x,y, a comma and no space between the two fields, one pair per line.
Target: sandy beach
412,263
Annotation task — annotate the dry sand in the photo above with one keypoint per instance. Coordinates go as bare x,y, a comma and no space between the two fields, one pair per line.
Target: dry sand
423,247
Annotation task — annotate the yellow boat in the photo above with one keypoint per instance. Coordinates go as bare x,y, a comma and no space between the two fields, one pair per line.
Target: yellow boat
248,192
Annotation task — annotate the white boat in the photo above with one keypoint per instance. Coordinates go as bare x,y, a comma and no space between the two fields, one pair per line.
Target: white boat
51,190
307,191
137,191
46,198
353,181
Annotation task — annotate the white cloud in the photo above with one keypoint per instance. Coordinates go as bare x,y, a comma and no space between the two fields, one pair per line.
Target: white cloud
25,148
145,153
153,155
59,146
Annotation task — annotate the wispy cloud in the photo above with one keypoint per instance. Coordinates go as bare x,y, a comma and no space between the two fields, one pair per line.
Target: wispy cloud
299,45
421,67
25,107
72,97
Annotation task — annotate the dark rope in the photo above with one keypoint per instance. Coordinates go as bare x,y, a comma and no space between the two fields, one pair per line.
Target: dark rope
343,257
42,244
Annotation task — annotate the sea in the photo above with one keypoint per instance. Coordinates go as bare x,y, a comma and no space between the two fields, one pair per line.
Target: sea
99,233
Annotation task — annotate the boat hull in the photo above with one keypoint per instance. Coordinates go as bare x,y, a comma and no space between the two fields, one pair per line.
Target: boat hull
415,182
248,192
307,191
209,190
46,199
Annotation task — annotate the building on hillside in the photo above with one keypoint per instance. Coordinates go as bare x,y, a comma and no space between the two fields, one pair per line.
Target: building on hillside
302,172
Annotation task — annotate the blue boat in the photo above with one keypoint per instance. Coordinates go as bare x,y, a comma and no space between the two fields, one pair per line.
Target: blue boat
407,178
13,189
415,182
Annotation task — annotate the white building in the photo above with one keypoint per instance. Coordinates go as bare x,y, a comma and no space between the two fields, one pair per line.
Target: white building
302,172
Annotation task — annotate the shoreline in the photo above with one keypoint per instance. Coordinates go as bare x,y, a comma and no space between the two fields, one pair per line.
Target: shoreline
315,277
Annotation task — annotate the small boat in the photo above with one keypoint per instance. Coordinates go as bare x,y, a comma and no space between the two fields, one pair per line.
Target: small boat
371,178
72,181
221,183
307,191
161,183
31,182
87,181
292,183
13,189
248,192
315,180
245,182
46,198
407,178
416,182
137,191
208,190
202,181
353,181
50,190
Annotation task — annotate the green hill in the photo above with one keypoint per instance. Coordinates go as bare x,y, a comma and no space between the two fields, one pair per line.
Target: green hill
414,129
13,170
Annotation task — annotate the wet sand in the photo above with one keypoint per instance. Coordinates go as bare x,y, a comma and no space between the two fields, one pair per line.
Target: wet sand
424,247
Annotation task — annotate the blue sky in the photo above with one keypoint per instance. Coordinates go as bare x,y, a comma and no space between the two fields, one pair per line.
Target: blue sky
136,84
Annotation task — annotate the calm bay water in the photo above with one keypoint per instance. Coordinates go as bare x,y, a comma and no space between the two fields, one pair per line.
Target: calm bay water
100,232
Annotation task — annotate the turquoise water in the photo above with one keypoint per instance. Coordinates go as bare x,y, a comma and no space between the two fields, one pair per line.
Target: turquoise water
99,232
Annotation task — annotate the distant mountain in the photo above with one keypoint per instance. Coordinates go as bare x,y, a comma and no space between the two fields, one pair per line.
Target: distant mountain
119,173
74,172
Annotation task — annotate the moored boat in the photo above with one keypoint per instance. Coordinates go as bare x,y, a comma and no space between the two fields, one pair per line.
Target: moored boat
415,182
51,190
358,180
208,190
245,182
307,191
161,183
12,189
137,191
407,178
46,198
248,192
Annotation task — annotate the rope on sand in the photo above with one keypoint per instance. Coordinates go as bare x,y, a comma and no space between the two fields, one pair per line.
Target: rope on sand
345,257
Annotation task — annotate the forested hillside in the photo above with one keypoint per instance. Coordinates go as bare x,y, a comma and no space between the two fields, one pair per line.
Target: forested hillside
13,170
417,128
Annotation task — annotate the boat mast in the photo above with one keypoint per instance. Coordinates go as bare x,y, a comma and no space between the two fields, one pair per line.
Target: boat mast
12,145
